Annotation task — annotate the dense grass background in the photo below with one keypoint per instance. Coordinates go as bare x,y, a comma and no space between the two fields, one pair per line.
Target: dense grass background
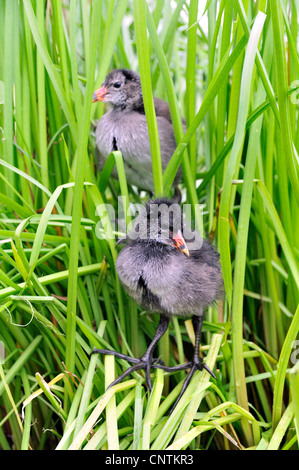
231,69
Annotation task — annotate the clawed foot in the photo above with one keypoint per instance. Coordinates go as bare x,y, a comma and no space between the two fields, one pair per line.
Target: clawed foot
145,362
196,364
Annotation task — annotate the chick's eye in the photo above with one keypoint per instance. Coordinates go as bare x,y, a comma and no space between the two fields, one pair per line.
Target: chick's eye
117,85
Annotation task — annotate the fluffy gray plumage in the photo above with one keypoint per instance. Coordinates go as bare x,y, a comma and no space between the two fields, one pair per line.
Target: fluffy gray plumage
162,279
124,128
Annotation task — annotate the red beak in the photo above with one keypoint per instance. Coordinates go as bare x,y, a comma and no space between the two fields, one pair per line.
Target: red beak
180,244
99,95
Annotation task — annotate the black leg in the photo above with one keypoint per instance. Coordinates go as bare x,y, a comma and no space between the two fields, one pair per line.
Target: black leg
197,323
146,361
197,363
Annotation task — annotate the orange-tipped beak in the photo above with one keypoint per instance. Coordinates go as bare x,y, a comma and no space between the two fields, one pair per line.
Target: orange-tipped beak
180,244
99,95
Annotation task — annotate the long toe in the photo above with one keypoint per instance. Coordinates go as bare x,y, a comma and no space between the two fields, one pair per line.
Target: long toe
140,365
200,365
125,374
209,370
196,365
157,361
184,387
116,354
146,363
148,376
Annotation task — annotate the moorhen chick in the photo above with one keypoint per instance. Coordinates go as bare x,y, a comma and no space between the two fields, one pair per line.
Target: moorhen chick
168,273
124,128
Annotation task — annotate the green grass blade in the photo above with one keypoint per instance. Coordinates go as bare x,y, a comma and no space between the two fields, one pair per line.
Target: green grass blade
190,82
112,430
78,193
281,70
294,381
177,125
41,96
220,75
8,89
20,362
232,168
145,76
282,367
50,68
